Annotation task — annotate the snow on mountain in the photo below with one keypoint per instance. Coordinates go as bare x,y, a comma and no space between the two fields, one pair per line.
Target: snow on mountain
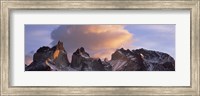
141,60
55,59
82,61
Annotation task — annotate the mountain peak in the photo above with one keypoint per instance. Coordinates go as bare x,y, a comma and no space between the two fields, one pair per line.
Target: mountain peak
82,49
141,59
82,61
55,58
121,49
59,45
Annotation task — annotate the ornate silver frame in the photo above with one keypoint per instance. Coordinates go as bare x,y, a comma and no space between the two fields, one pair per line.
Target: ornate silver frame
8,5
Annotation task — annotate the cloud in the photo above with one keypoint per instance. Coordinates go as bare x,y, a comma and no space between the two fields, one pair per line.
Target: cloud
98,40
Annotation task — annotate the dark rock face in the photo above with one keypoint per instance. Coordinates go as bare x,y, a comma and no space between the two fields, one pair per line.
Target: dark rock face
38,66
157,61
46,59
107,65
42,54
56,59
39,58
141,60
83,62
125,60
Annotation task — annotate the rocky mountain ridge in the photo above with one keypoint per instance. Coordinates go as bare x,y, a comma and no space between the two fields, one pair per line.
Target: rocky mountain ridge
56,59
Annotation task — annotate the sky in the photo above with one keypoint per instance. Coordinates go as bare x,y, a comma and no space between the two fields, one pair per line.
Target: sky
100,40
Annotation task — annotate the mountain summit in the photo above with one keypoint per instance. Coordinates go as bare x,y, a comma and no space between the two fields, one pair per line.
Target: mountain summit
56,59
46,59
82,61
141,60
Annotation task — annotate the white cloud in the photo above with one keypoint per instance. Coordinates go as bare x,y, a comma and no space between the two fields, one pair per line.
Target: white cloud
98,40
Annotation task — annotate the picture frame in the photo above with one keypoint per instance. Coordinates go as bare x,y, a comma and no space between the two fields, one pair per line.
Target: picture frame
7,6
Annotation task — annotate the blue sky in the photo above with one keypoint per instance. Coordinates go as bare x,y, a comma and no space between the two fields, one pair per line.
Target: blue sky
37,36
159,37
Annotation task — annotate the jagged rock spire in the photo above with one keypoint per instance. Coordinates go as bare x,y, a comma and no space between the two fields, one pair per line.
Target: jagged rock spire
60,45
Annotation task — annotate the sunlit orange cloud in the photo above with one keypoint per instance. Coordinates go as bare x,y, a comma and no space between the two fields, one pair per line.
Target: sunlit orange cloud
104,54
98,40
103,28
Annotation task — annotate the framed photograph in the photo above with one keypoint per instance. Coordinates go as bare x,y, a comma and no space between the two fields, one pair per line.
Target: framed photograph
65,47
